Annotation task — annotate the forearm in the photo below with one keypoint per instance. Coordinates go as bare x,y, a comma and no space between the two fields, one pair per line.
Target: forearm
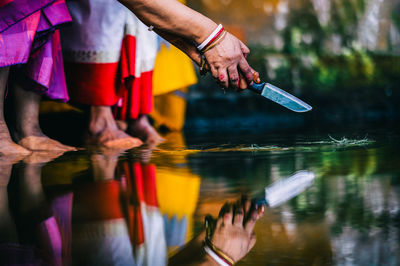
181,43
172,17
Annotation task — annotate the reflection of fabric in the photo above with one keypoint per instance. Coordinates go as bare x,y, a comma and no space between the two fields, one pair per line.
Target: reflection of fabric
145,220
106,48
28,36
177,192
62,209
104,242
176,230
101,235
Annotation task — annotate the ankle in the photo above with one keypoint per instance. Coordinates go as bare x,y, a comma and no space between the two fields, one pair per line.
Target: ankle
4,133
101,119
20,132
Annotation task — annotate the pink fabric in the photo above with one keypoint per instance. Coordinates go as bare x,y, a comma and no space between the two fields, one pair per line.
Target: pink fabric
35,42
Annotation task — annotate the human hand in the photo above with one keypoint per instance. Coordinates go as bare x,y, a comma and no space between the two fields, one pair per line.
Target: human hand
233,233
228,64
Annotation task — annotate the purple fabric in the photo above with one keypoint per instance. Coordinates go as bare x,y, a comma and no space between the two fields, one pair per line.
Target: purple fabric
16,10
35,42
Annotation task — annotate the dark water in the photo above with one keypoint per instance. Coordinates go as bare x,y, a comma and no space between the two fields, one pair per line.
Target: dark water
103,207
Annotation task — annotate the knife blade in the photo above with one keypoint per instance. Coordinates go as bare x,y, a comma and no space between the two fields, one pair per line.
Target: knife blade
285,189
280,96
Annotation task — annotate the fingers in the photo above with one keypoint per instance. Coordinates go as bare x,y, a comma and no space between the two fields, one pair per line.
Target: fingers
233,76
246,70
239,216
246,203
227,218
224,209
222,77
225,215
252,219
251,222
256,76
242,82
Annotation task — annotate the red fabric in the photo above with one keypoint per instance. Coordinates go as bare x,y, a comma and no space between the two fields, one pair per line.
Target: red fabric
139,99
149,172
128,55
103,84
92,84
136,227
141,188
101,200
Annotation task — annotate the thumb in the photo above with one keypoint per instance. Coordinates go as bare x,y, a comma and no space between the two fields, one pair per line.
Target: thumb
244,48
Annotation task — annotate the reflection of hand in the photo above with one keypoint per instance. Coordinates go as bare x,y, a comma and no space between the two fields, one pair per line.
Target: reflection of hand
233,234
228,65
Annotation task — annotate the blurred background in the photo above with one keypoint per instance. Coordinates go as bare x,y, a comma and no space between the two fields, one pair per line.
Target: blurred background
341,57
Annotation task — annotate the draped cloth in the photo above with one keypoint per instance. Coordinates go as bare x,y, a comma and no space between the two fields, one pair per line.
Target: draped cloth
109,57
30,43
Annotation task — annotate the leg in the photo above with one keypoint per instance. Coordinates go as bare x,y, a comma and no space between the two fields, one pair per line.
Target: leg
142,129
103,130
7,146
8,233
26,131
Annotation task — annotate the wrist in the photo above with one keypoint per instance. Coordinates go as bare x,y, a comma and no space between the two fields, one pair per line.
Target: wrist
217,254
209,261
205,31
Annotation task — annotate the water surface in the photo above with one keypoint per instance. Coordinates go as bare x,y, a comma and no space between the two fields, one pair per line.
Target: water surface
138,207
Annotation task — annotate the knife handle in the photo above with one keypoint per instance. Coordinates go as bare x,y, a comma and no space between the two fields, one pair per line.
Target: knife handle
257,87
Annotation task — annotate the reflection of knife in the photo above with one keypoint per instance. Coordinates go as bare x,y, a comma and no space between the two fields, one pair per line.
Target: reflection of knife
274,195
280,96
285,189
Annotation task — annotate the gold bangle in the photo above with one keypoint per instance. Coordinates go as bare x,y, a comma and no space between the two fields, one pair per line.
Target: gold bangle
215,42
219,252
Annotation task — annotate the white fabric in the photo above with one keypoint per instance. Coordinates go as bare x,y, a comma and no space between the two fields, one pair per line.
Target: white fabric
154,250
102,243
98,29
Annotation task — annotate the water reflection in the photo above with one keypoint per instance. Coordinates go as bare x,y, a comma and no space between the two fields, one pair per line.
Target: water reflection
141,207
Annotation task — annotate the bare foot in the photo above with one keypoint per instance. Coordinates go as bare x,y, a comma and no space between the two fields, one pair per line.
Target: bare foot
44,143
41,157
104,164
103,131
7,146
122,125
142,129
26,130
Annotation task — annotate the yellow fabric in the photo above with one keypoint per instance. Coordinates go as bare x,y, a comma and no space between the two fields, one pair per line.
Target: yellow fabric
56,107
169,110
177,191
177,187
172,70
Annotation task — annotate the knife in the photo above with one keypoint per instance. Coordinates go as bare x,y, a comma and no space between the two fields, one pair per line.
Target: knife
285,189
274,195
280,96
